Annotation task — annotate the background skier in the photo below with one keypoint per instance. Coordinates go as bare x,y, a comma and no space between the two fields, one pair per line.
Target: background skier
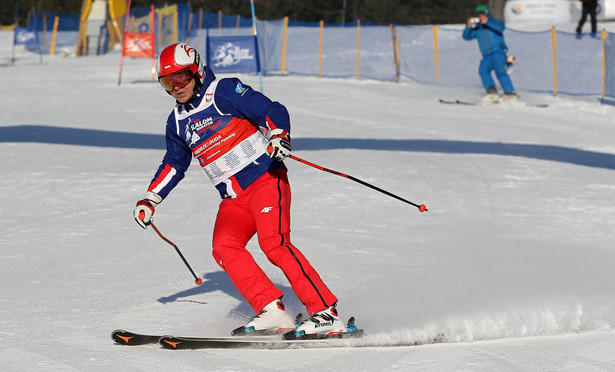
489,32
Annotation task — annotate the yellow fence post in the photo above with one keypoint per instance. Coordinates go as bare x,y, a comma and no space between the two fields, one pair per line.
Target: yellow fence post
56,21
83,39
83,26
117,9
436,53
554,60
395,51
284,44
322,26
237,25
358,48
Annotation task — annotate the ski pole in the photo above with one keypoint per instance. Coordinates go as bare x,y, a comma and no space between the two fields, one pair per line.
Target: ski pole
421,207
197,280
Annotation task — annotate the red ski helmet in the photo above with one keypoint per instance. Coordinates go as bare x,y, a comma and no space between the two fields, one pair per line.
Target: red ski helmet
177,57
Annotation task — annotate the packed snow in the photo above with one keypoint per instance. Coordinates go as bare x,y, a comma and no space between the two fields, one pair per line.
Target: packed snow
512,268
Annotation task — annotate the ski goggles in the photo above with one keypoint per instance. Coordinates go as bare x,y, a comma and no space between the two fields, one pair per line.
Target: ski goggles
177,79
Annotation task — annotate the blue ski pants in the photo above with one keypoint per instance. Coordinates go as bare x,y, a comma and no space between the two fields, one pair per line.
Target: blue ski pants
495,62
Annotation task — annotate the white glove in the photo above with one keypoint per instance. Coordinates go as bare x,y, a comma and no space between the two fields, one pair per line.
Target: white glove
144,211
279,146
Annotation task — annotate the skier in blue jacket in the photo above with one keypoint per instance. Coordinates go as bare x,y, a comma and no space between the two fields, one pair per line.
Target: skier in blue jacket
489,32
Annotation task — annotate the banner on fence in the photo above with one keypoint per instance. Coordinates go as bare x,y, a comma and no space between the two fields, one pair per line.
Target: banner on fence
537,11
26,35
233,54
139,45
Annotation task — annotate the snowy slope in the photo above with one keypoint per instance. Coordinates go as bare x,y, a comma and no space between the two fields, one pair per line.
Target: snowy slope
512,265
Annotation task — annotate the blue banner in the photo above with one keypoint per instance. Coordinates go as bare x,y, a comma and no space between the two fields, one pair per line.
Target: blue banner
26,35
233,54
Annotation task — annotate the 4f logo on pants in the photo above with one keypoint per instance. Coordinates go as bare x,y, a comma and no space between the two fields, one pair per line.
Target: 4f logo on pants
266,209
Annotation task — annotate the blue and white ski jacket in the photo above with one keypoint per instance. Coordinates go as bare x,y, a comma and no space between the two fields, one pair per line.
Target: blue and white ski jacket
490,36
222,127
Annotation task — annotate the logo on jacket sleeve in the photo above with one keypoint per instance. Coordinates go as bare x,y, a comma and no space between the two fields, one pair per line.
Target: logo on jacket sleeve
240,88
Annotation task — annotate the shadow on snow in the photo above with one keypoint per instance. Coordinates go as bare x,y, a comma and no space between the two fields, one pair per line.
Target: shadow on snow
101,138
219,281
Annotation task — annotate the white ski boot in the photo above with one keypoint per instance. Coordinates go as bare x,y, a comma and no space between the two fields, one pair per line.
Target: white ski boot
492,96
325,323
509,97
272,319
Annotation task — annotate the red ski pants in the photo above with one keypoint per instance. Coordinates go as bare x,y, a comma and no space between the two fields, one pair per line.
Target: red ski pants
264,209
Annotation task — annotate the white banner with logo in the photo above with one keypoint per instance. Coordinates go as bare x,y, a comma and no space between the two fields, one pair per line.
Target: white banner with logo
538,11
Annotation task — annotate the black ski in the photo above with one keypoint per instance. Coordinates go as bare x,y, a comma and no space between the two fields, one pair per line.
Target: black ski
257,342
475,103
459,102
479,103
287,341
130,338
123,337
242,340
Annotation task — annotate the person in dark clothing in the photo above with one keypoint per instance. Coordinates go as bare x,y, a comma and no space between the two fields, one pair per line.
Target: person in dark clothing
589,7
